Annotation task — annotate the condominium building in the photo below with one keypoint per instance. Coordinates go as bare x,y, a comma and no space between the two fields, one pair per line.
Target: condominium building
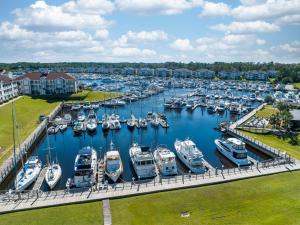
37,83
163,72
256,75
146,72
8,89
182,73
231,75
204,74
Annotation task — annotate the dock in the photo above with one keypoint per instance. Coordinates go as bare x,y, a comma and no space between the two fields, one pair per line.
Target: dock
100,171
40,179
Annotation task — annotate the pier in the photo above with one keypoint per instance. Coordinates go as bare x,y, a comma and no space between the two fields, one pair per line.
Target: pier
39,181
36,199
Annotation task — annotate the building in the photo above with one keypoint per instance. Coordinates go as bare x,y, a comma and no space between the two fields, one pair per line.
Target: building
37,83
163,72
128,71
8,89
146,72
296,118
182,73
204,74
256,75
230,75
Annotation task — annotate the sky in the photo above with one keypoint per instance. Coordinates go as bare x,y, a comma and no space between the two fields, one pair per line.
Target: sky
150,31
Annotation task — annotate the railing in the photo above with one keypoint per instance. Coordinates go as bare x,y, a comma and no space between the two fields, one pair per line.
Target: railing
165,183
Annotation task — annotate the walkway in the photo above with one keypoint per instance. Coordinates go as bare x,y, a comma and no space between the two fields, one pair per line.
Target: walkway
9,203
6,103
106,212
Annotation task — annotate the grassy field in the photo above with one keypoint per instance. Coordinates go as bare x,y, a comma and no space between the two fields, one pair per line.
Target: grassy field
78,214
297,85
267,111
275,142
27,111
265,200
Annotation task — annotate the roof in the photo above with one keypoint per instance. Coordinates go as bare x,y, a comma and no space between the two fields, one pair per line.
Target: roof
235,141
49,76
296,114
5,79
86,151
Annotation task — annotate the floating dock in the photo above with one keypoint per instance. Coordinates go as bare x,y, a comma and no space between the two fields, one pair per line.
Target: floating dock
40,179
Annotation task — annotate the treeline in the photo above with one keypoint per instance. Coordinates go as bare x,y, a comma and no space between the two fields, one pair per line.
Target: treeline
288,73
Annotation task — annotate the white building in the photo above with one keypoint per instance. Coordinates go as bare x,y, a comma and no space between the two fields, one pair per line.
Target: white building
256,75
182,73
37,83
8,89
230,75
146,72
204,74
128,71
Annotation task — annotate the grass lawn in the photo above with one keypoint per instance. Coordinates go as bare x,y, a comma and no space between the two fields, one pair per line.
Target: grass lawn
297,85
267,111
78,214
275,142
27,111
266,200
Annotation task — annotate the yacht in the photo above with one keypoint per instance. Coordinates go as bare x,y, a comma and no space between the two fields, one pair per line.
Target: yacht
142,161
67,119
105,122
165,161
85,167
53,175
91,121
113,163
221,106
87,105
28,174
115,125
211,108
234,108
233,149
62,127
81,116
191,156
78,127
143,123
131,123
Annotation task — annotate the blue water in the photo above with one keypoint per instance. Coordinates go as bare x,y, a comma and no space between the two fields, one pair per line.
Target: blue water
197,125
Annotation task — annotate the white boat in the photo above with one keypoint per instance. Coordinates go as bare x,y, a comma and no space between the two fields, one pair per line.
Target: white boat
28,174
53,129
143,123
115,125
91,124
191,156
75,107
234,150
234,108
81,116
131,123
63,127
165,161
53,175
78,127
85,167
113,163
142,161
221,106
67,119
155,122
87,105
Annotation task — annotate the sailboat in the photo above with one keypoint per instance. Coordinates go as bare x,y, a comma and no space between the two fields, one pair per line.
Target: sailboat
53,173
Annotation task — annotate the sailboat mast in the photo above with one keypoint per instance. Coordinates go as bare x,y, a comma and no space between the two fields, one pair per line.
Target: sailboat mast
14,140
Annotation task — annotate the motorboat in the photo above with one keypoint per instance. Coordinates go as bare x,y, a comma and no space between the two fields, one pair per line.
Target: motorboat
142,161
53,175
85,167
143,123
113,163
78,127
28,174
234,108
221,106
92,123
81,116
62,127
75,107
131,122
105,122
165,161
67,119
191,156
87,105
234,150
53,129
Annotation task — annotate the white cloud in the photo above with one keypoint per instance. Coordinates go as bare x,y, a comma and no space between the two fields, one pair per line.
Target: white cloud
167,7
41,15
215,9
102,34
252,2
132,52
247,27
89,6
292,48
182,45
289,19
14,32
254,10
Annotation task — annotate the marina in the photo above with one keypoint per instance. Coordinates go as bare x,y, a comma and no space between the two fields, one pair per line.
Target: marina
156,119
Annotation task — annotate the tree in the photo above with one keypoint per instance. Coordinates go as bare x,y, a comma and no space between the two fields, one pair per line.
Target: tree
269,99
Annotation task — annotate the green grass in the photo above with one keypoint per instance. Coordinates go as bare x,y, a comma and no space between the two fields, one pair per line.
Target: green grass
297,85
276,142
267,111
91,96
27,111
265,200
78,214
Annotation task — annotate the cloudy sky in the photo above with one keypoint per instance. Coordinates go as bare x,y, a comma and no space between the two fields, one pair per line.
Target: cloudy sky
150,30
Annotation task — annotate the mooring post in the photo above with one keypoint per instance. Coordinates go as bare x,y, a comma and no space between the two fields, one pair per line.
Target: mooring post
183,178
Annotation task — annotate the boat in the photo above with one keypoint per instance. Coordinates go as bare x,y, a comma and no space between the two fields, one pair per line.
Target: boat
81,116
115,124
155,122
165,161
143,123
234,150
67,119
191,156
131,123
62,127
53,175
105,122
221,106
75,107
91,124
113,163
53,129
28,174
78,127
211,108
85,167
142,161
87,105
234,108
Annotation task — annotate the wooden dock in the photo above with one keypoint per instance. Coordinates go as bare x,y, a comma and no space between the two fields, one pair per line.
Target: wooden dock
40,179
101,171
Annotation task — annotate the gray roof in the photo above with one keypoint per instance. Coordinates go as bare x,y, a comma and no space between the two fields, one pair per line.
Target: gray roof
296,114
